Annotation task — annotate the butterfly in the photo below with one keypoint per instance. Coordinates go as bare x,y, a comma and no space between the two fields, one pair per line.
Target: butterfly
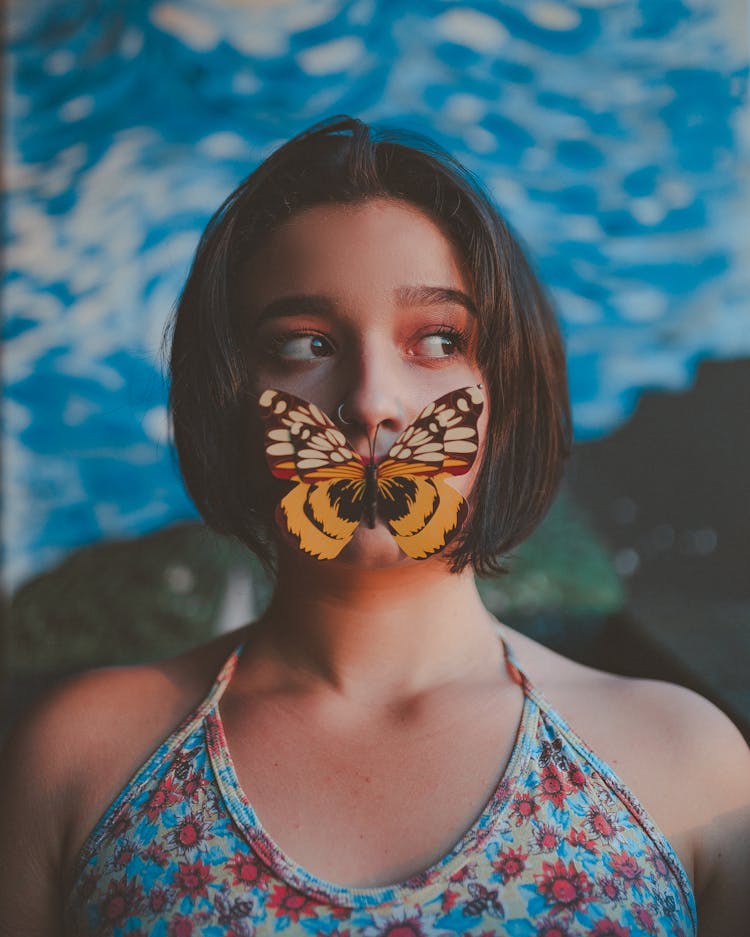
483,900
552,752
336,488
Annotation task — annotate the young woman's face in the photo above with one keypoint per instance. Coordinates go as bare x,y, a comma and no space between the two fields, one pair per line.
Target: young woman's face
367,306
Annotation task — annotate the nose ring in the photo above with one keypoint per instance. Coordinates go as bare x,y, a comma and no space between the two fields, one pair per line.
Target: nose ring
340,415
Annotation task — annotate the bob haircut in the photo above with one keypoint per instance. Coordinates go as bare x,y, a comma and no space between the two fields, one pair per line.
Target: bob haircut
519,351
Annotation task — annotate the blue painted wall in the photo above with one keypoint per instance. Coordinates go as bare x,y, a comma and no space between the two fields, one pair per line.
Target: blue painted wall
609,131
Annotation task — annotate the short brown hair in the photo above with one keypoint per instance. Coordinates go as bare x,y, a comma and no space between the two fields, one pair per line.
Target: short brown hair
519,348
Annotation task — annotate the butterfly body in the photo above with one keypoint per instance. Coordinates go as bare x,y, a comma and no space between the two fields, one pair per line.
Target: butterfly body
336,488
371,493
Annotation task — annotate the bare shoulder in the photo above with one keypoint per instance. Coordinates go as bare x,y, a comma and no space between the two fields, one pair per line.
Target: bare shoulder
108,705
683,759
78,745
620,706
643,727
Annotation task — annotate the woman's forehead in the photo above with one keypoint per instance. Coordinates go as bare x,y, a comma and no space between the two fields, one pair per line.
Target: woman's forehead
371,244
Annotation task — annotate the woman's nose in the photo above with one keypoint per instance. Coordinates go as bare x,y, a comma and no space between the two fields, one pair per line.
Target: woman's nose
373,398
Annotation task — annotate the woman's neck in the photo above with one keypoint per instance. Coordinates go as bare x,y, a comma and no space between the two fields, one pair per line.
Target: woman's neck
379,634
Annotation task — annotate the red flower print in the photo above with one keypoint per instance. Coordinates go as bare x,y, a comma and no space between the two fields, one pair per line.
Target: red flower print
564,887
644,919
121,823
158,854
510,863
609,888
193,786
607,928
600,824
449,899
189,833
164,796
462,874
192,878
122,899
160,898
547,838
123,855
244,870
627,867
407,928
290,903
502,791
181,926
553,787
659,865
523,808
579,838
576,777
552,929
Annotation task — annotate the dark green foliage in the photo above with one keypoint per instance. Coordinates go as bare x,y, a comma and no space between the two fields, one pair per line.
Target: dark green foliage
123,601
128,601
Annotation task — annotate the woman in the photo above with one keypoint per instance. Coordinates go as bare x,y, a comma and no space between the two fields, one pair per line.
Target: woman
385,760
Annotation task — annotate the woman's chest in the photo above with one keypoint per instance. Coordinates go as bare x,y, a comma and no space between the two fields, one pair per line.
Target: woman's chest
553,846
378,800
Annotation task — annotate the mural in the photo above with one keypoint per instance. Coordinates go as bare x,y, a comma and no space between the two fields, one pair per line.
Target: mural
612,133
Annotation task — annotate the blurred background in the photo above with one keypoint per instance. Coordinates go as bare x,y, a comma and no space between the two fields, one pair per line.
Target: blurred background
613,134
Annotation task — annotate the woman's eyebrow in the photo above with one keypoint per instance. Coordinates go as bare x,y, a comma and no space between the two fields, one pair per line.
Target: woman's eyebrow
307,304
303,304
435,296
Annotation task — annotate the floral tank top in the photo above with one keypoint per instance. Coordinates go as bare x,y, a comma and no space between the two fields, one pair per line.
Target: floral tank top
562,849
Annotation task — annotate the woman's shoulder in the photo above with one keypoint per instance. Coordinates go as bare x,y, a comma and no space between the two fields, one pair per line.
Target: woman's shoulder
681,757
635,723
120,699
635,711
80,743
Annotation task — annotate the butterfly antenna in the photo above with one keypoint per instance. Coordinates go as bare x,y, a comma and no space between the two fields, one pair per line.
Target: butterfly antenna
371,443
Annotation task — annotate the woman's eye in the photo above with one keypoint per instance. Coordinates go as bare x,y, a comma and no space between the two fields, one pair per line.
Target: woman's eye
438,345
302,347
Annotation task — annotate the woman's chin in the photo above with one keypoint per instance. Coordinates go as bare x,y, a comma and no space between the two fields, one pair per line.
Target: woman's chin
372,548
369,548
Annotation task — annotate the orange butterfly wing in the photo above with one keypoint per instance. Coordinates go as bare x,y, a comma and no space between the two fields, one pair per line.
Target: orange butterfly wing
303,445
422,511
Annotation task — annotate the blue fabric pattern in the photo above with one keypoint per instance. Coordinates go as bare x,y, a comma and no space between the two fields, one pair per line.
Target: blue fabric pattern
562,849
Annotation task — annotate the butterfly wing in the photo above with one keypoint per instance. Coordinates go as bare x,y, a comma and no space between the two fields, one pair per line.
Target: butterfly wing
443,439
422,511
303,445
322,518
424,515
